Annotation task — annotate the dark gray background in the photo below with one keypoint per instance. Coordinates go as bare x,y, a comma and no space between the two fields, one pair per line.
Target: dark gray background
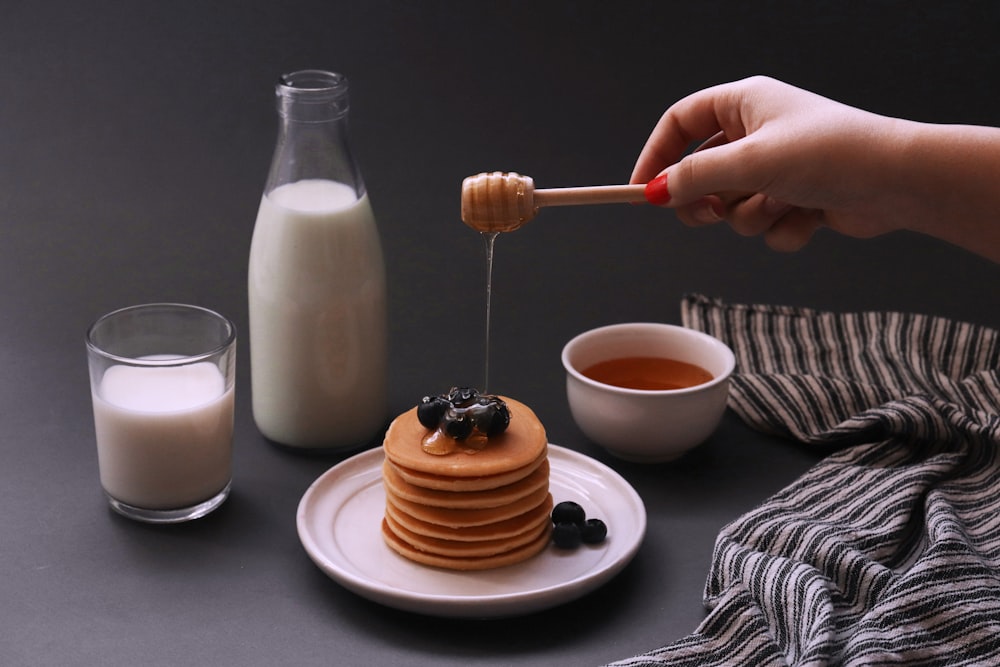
134,142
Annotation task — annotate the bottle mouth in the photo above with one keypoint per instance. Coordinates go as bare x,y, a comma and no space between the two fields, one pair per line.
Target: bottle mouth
312,94
315,80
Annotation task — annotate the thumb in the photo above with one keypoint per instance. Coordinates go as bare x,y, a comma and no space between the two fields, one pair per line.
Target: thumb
716,170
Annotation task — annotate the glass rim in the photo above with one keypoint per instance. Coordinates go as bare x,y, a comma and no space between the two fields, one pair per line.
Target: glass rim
182,360
313,81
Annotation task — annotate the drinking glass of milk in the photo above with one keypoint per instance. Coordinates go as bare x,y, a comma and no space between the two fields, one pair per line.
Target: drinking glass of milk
162,380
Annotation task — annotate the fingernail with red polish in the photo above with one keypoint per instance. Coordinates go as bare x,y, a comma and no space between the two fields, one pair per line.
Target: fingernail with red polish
656,191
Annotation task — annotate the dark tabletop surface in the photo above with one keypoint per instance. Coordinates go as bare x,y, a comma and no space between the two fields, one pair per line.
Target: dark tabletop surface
134,142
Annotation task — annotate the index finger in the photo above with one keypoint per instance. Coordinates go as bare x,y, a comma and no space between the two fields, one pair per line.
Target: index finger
697,117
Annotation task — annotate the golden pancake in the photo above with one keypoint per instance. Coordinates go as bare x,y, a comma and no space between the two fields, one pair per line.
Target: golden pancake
504,495
504,528
472,563
520,445
451,518
445,483
442,516
470,504
457,549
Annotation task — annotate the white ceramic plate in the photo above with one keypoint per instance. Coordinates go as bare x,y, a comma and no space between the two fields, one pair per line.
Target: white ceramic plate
339,521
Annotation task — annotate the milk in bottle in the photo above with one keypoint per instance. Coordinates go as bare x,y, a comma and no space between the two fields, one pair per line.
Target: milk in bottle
316,281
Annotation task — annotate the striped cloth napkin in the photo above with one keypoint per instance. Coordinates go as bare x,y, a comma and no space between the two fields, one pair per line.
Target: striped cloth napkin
888,550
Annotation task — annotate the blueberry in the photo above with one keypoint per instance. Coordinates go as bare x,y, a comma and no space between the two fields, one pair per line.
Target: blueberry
501,419
431,410
484,415
460,396
464,410
568,512
566,535
593,531
460,428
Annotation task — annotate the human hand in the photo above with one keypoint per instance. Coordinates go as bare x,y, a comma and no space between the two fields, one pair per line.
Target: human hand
775,160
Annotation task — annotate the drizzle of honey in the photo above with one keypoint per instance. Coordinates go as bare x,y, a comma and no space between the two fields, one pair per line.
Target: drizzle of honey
439,443
490,239
648,373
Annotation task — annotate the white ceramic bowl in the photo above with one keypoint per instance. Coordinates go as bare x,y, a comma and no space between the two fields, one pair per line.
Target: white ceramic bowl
647,425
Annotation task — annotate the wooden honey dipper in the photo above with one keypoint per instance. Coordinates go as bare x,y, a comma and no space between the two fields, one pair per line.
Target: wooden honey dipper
503,201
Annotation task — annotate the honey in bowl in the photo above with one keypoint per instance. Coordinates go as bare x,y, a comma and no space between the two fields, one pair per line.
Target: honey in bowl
647,373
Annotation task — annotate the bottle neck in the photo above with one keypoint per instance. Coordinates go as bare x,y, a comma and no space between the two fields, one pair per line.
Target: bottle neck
312,96
313,140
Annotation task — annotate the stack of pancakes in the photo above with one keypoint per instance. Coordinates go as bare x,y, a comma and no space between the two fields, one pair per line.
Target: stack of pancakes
468,511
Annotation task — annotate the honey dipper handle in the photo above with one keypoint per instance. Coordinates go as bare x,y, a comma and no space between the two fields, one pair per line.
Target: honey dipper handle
596,194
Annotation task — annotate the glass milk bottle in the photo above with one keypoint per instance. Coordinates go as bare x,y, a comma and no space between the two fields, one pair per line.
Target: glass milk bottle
316,282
